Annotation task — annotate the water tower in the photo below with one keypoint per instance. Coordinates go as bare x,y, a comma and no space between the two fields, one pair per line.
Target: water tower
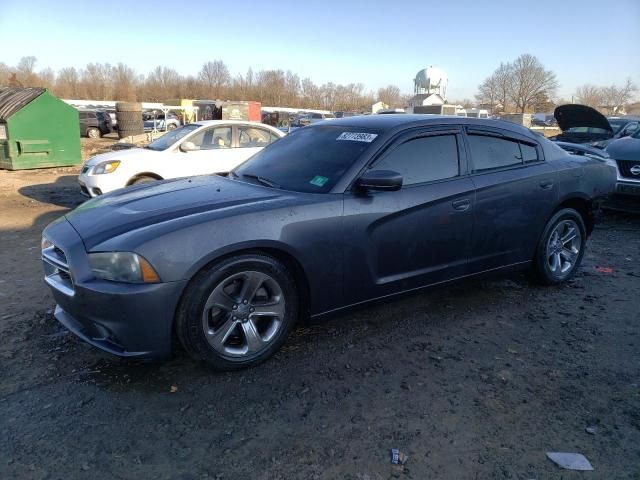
429,81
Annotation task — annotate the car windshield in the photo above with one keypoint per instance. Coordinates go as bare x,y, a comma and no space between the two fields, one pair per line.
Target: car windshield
587,130
311,159
168,139
617,124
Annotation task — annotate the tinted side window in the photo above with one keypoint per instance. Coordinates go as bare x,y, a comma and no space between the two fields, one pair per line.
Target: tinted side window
253,137
212,138
423,159
489,153
529,153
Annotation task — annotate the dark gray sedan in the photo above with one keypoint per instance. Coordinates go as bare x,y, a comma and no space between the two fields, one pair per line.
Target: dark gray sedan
332,216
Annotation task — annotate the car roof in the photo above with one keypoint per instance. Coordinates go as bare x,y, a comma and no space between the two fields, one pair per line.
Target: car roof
395,121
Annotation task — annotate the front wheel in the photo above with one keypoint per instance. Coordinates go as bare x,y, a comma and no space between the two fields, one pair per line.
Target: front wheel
94,132
238,312
561,247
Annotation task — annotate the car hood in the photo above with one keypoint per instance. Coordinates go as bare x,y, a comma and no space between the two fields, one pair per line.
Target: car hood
125,210
627,148
574,115
123,154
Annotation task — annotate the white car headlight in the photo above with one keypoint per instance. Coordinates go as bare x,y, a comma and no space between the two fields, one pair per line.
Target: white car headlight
122,267
106,167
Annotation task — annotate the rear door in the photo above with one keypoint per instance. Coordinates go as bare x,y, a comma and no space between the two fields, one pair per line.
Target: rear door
419,235
516,191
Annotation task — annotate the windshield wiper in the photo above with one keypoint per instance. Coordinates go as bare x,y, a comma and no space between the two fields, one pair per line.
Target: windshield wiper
262,180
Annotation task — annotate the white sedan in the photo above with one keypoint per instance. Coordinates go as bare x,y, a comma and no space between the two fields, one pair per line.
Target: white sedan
213,146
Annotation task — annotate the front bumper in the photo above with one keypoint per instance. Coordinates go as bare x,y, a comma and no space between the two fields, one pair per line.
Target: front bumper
96,185
130,320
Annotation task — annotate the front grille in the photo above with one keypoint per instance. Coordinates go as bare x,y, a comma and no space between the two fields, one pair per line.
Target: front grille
625,167
56,270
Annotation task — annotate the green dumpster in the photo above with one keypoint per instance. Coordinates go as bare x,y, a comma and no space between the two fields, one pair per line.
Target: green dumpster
37,130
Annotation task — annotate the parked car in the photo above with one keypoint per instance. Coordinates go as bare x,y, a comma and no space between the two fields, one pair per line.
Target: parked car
581,124
334,215
626,154
160,121
210,146
543,121
94,123
310,118
622,127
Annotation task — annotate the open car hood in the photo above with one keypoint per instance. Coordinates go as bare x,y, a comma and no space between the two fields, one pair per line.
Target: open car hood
574,115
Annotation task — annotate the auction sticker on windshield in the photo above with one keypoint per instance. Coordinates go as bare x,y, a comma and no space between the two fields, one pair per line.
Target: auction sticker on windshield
318,181
357,137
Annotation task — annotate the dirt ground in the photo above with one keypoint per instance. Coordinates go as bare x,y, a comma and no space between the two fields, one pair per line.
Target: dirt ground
475,381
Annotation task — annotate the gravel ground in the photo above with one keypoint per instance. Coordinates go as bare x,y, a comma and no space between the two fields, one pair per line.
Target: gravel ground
475,381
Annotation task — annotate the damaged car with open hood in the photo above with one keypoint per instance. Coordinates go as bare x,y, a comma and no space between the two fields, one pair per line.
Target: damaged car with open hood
585,125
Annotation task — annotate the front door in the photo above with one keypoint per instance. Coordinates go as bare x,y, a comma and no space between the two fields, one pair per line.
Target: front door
214,153
418,235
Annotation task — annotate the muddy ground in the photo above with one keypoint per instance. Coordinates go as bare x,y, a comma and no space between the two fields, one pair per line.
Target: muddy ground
475,381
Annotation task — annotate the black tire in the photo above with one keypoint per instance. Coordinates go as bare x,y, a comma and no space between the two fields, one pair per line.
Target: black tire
192,317
94,132
552,245
143,179
172,126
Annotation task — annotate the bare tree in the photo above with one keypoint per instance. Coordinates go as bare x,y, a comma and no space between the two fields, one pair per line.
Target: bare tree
5,73
97,81
391,96
26,71
68,83
215,76
614,98
528,80
124,82
162,84
589,95
495,90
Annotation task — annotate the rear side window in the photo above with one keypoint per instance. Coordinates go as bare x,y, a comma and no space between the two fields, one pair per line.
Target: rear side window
490,153
424,159
529,153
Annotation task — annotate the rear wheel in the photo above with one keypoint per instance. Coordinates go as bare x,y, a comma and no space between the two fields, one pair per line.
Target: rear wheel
93,132
238,312
561,247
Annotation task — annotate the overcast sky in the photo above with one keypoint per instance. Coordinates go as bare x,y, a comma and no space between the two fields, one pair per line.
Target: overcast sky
376,43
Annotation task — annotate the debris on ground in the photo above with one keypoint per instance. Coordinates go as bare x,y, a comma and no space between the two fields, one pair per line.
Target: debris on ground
173,389
591,430
397,457
604,269
570,461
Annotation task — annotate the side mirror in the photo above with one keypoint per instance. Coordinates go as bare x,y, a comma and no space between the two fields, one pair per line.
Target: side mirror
187,147
380,180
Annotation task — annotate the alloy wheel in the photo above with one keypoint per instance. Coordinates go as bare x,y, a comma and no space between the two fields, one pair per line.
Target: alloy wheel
563,248
243,314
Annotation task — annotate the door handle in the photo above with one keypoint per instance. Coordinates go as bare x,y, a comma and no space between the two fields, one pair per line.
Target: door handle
546,184
461,205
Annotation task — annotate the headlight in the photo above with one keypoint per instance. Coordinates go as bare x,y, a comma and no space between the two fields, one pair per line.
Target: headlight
45,243
122,267
106,167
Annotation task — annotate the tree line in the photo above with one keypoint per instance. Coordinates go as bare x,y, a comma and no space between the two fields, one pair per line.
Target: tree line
103,81
525,85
